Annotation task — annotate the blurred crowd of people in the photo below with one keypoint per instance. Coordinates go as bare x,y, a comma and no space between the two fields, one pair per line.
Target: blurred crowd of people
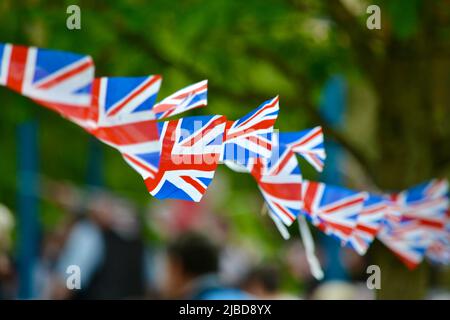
102,235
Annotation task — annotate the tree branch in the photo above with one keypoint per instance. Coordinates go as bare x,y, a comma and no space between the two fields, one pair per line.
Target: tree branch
361,39
302,98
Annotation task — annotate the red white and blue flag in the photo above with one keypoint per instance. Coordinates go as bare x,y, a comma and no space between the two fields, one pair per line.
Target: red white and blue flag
439,250
279,178
177,159
126,118
191,97
407,240
419,217
250,137
118,101
309,145
121,116
190,153
187,170
425,204
280,181
369,222
334,210
430,196
47,76
121,111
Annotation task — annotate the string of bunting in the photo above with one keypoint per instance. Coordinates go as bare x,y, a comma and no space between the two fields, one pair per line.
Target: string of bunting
177,158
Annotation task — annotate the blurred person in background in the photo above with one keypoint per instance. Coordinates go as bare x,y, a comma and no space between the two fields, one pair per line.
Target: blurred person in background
264,282
299,267
6,266
342,290
107,246
235,262
353,288
52,245
192,269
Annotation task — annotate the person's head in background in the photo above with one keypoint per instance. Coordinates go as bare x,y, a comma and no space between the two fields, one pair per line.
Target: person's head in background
6,228
112,212
99,207
189,258
6,267
263,282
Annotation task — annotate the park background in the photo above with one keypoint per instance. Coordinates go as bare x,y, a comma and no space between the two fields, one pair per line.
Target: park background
382,97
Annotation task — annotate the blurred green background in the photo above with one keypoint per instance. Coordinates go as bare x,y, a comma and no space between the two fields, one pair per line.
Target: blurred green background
396,130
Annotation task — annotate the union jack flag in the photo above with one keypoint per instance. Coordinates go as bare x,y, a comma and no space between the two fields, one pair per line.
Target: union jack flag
423,199
309,145
190,152
282,171
439,251
368,223
123,117
407,241
279,178
280,181
332,209
121,110
250,136
191,97
419,220
47,76
163,182
118,101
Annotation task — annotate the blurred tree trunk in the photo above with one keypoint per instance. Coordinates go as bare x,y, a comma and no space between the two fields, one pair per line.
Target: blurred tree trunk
405,156
413,113
411,79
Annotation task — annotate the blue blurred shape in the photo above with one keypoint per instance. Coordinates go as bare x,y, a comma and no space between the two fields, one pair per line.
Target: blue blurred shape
94,170
28,222
332,109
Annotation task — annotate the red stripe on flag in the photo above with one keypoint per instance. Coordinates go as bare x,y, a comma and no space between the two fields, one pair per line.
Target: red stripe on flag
268,106
432,224
376,209
286,191
260,142
70,73
265,124
347,203
307,139
194,183
254,116
138,132
285,212
71,112
17,65
281,164
409,263
139,164
198,136
197,90
336,226
369,230
95,100
159,108
119,107
309,196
